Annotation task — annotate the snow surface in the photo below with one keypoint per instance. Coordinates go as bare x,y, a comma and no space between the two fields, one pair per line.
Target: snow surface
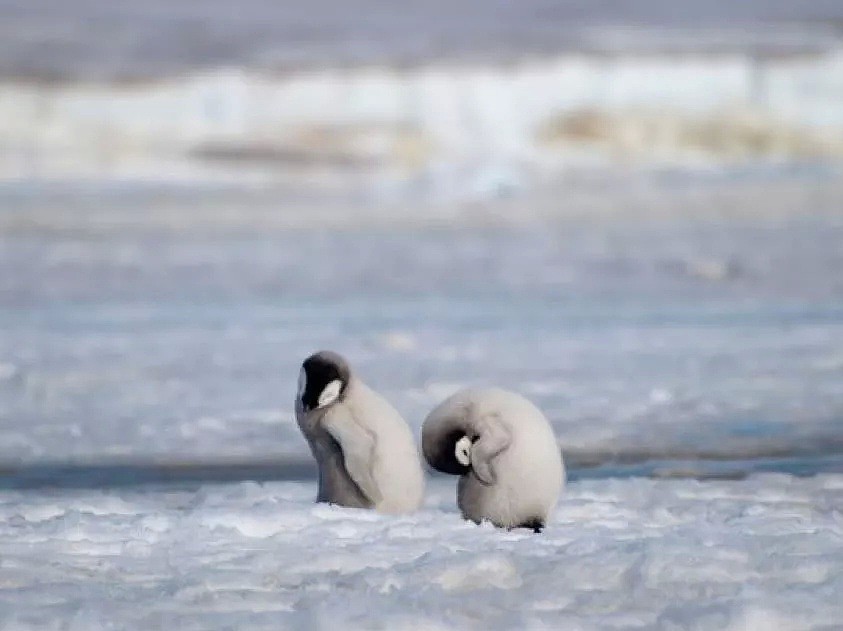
682,320
696,327
764,553
172,247
668,329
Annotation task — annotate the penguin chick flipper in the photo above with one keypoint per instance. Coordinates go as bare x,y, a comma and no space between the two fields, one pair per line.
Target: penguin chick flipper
358,449
494,438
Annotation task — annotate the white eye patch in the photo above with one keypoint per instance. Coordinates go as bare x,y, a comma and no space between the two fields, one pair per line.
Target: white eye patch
462,451
302,383
330,394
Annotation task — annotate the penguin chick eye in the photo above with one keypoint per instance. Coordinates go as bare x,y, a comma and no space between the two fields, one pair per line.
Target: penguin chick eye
330,393
462,451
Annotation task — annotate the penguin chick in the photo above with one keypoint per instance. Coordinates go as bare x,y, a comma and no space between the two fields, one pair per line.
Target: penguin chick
504,450
365,451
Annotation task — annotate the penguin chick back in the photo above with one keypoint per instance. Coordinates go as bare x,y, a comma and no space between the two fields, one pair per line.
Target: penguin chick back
516,471
387,461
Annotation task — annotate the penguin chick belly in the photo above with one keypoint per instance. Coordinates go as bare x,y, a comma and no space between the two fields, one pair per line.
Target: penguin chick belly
478,502
512,501
540,478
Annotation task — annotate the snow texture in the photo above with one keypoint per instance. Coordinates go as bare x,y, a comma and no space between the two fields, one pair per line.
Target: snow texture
764,553
700,325
672,329
431,198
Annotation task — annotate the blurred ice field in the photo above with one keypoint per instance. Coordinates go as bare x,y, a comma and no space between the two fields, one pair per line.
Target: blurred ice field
701,321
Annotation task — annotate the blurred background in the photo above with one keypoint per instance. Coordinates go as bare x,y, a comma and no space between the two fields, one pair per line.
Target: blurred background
632,212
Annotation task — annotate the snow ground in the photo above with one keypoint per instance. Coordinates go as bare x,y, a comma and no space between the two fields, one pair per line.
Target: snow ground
672,329
764,553
683,321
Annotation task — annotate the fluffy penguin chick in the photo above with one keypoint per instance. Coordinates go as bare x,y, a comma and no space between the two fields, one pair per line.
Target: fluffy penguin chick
365,451
505,451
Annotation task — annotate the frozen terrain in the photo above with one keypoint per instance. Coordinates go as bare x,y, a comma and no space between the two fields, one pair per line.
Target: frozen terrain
764,553
671,324
630,212
655,319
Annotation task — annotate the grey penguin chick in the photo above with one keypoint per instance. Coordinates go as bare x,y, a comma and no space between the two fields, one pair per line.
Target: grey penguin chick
365,451
504,450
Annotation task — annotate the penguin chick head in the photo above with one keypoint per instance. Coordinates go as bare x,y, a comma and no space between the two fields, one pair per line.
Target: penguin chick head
462,451
323,380
448,452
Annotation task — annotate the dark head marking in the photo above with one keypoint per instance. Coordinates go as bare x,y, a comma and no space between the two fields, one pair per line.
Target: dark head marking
441,453
317,372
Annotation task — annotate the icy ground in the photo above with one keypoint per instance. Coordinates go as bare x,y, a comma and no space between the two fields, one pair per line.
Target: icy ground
761,554
690,324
